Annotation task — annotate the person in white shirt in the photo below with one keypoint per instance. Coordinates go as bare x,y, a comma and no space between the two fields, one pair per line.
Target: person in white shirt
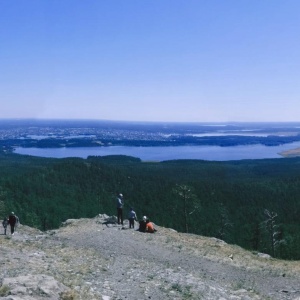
120,204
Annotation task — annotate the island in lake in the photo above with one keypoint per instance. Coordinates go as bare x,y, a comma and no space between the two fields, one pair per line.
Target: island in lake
290,153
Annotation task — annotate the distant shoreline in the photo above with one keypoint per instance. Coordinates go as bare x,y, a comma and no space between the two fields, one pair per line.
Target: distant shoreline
163,153
199,141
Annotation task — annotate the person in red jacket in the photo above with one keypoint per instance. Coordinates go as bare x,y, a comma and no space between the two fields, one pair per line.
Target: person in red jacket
150,227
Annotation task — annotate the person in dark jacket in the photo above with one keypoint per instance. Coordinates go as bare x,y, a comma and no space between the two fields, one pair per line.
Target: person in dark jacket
142,227
13,221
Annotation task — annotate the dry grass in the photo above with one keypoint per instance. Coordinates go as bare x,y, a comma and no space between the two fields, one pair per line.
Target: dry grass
69,295
218,250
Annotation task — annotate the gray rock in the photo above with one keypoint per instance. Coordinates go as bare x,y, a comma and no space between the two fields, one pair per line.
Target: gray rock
34,287
264,255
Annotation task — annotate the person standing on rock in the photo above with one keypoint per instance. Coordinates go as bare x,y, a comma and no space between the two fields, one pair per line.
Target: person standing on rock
5,223
13,221
120,204
131,217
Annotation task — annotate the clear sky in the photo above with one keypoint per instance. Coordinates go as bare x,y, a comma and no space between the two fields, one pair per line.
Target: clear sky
143,60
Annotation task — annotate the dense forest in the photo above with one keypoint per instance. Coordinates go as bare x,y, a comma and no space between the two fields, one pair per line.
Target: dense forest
251,203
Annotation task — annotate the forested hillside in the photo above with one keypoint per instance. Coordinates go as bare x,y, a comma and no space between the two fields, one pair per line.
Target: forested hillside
252,203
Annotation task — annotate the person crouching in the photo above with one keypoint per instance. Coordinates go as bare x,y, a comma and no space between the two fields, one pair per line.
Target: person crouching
142,227
150,226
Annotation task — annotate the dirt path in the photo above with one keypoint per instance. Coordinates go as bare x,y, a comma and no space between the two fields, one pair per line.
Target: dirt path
169,265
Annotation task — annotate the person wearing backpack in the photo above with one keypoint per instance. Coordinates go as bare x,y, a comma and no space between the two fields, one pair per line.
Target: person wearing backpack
13,220
5,223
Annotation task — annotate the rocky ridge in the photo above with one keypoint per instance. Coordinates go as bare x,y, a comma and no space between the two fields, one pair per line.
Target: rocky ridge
98,259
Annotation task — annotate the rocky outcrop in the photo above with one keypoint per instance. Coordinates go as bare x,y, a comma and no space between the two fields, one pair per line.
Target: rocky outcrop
32,287
98,259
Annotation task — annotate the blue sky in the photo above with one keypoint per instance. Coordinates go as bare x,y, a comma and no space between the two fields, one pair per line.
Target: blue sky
143,60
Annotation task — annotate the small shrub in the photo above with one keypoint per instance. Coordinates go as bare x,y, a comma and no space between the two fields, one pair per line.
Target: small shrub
177,287
4,290
69,295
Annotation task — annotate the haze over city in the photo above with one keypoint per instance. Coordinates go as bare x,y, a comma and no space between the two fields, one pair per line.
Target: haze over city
185,61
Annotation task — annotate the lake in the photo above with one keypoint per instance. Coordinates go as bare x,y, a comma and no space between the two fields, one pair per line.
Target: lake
211,153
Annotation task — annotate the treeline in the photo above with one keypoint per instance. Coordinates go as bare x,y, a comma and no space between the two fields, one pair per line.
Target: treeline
251,203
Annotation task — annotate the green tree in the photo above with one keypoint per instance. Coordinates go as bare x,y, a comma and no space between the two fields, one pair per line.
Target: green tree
188,203
33,220
224,222
2,209
3,196
274,235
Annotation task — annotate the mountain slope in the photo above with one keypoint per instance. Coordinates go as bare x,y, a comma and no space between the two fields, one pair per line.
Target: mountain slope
90,260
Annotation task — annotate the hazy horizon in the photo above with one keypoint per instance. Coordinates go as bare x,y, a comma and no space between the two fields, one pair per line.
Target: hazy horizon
142,61
135,121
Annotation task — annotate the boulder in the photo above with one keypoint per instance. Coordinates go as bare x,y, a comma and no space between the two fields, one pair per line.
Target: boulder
34,287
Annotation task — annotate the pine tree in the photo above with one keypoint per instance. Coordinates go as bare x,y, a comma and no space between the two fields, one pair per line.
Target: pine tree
189,203
2,203
272,230
224,222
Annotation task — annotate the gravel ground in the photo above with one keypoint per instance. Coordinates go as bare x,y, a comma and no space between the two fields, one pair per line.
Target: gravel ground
105,261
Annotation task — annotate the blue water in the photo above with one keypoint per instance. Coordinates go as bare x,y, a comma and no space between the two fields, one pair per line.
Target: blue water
166,153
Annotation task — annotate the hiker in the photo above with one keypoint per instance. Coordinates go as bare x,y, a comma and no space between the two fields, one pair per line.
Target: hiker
131,217
120,204
5,223
142,227
13,220
150,226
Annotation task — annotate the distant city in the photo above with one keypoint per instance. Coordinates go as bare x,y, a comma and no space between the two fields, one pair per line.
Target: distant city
86,133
